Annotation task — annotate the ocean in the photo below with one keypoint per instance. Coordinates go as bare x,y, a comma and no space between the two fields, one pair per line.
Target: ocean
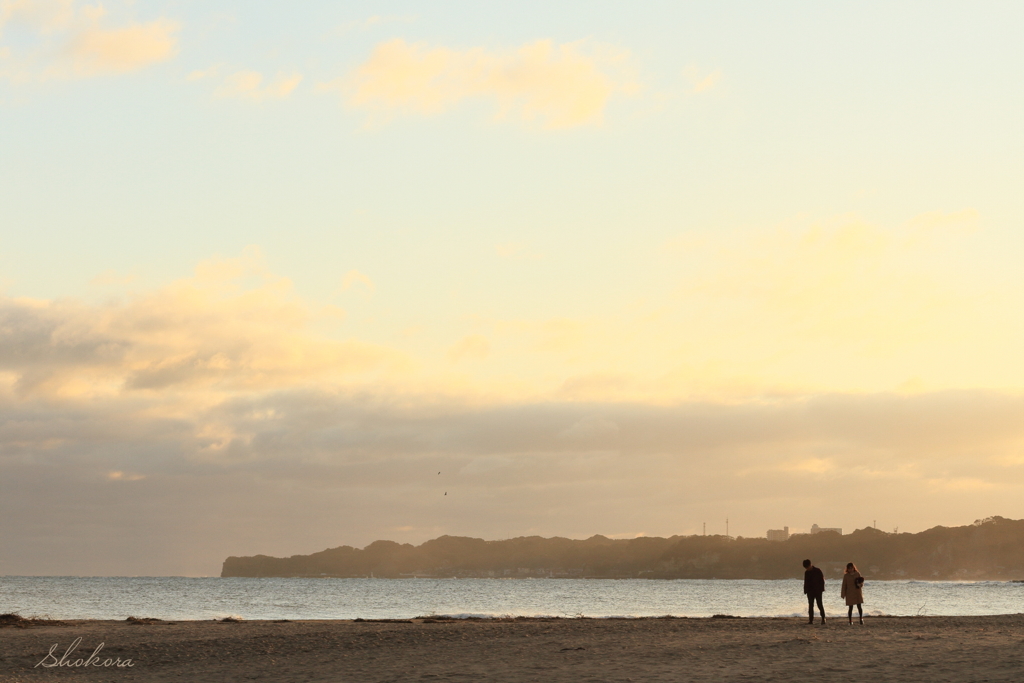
178,598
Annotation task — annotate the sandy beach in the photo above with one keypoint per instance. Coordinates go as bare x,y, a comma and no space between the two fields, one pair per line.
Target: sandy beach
717,649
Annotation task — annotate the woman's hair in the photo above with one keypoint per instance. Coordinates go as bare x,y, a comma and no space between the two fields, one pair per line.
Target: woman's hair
850,567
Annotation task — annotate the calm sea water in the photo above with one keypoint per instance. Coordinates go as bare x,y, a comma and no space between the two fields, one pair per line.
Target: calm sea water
267,598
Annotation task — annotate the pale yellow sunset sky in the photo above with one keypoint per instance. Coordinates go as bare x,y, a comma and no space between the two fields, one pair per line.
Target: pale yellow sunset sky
265,270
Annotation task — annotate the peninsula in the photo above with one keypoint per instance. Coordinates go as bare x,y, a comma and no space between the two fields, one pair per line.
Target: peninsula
989,549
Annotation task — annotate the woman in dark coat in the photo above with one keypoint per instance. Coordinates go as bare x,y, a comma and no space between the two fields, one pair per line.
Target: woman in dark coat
852,582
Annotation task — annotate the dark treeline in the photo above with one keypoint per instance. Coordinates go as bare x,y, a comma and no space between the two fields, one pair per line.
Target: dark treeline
990,549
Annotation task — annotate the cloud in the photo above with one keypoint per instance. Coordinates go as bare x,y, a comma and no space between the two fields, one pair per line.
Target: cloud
545,336
118,475
372,22
833,278
44,16
472,347
594,386
961,484
200,74
932,224
800,307
593,429
272,460
249,85
516,251
812,305
562,86
120,50
112,277
701,82
221,396
353,278
67,40
231,327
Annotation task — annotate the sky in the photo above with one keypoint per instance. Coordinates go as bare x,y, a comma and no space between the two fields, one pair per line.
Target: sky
277,277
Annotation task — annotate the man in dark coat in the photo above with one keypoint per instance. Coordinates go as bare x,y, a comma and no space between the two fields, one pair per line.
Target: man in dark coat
814,587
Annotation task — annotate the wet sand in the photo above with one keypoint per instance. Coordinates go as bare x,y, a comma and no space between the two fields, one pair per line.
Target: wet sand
905,649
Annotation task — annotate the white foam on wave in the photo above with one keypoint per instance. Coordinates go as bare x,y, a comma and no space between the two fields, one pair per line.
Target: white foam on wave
486,615
490,615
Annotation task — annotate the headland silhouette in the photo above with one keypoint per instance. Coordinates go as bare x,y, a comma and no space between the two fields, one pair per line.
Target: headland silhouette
989,549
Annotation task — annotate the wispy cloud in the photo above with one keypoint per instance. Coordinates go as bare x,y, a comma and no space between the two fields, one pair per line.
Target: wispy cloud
372,22
118,475
701,81
842,281
472,347
246,84
44,16
353,278
99,50
113,278
250,85
561,86
518,251
69,40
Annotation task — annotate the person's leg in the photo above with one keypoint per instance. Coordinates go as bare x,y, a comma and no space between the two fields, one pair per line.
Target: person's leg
821,607
860,612
810,608
849,613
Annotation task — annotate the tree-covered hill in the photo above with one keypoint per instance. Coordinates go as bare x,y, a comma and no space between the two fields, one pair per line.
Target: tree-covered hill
990,549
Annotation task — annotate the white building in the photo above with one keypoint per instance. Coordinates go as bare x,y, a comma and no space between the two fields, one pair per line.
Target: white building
778,534
815,529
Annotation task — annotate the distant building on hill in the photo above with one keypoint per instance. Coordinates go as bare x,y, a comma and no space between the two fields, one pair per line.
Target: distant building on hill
815,529
779,534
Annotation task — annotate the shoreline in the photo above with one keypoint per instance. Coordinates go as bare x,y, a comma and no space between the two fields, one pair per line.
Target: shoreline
259,599
488,578
924,648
